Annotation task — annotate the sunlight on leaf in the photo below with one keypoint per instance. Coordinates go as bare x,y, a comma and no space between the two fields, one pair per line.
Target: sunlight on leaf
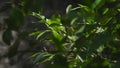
68,9
100,49
57,35
74,21
38,15
78,56
53,21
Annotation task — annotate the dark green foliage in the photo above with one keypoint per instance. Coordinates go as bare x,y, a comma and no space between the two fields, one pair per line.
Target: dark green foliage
7,36
87,30
32,5
15,20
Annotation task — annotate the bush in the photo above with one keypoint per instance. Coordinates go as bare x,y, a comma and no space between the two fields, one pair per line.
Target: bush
86,36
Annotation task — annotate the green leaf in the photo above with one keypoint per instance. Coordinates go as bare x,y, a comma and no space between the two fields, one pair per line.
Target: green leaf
117,26
82,6
42,57
73,21
80,30
73,63
38,15
53,21
34,55
59,28
57,36
42,33
34,33
100,49
96,3
79,57
118,10
73,38
105,11
68,9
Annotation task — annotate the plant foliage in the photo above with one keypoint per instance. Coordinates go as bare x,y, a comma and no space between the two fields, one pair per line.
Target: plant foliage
88,35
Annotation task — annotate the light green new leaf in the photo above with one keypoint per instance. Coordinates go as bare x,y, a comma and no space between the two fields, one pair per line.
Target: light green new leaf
57,35
58,28
79,57
80,30
53,21
38,15
100,49
82,6
74,21
68,9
